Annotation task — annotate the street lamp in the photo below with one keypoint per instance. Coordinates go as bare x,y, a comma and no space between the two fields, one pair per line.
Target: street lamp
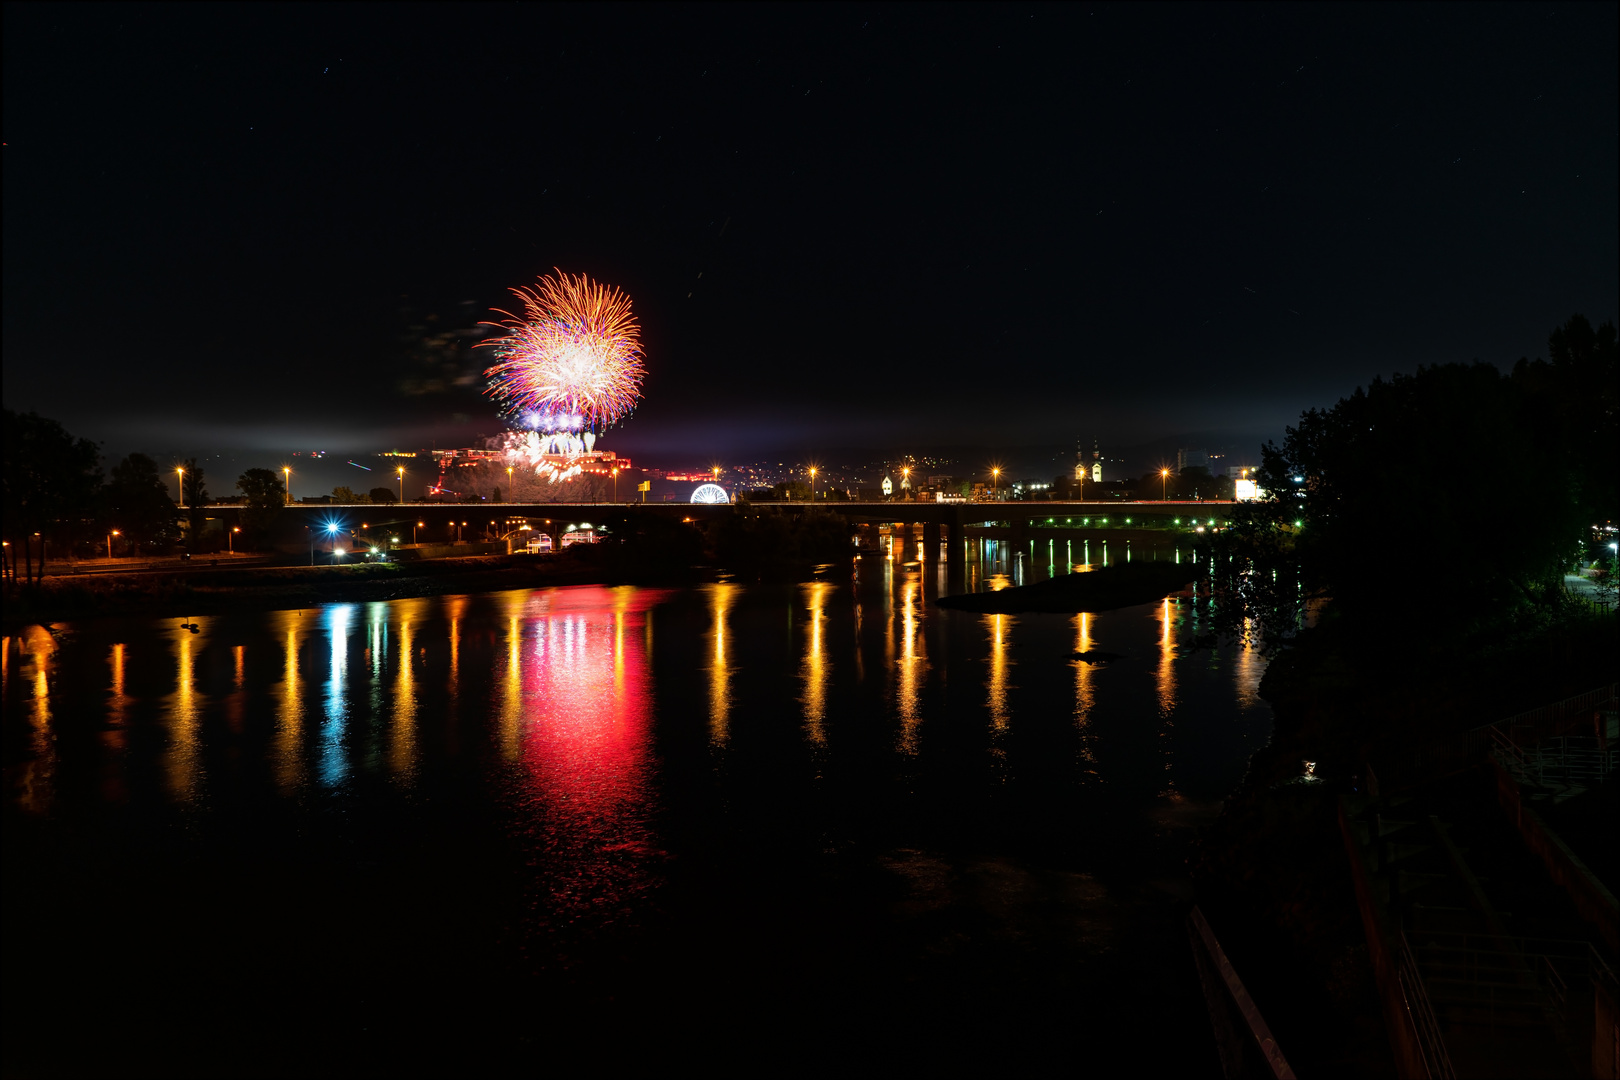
401,471
615,483
286,475
995,480
812,483
180,484
1164,484
230,540
331,534
109,542
418,525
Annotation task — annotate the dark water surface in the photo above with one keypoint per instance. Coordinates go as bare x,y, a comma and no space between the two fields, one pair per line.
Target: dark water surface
754,827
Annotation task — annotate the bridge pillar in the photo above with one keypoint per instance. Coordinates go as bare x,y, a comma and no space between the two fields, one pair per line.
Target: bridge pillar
930,541
899,533
956,549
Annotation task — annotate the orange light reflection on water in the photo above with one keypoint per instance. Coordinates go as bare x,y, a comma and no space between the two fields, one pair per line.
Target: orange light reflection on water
289,764
999,628
722,596
912,668
182,762
36,783
1085,695
402,729
815,668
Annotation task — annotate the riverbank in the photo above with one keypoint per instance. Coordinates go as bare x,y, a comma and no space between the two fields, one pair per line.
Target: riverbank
1274,871
212,591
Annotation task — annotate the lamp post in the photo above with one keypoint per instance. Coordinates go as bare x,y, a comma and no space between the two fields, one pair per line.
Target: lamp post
109,542
180,484
615,483
995,481
230,540
1164,484
905,481
401,471
812,483
418,525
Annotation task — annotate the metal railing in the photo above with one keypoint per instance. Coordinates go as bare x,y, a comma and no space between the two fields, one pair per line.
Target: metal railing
1562,758
1436,1061
1455,753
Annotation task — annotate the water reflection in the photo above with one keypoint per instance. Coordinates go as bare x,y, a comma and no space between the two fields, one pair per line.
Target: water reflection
36,657
814,670
586,793
721,597
1246,674
289,733
1166,672
998,627
1085,696
333,754
183,761
911,666
539,708
1166,679
402,749
118,698
513,708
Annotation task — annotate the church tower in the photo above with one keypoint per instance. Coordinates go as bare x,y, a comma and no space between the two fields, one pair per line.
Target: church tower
1096,463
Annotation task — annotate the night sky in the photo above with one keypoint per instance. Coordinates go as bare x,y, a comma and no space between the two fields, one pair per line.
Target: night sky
891,227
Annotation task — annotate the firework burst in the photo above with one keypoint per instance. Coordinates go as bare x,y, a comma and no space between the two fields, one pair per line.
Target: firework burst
573,361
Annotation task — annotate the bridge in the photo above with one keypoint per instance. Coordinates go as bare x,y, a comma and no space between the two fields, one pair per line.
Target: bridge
442,527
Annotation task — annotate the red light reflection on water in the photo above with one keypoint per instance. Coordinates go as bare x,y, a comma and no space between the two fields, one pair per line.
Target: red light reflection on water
577,715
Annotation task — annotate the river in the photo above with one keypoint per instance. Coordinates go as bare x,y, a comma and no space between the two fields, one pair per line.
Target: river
764,824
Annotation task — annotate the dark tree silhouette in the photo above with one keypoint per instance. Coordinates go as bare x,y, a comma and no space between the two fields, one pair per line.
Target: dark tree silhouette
265,500
50,481
136,502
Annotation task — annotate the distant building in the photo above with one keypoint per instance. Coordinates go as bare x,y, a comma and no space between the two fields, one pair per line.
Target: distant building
1082,471
1191,459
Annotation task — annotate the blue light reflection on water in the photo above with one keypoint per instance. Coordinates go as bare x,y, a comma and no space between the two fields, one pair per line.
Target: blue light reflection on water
334,753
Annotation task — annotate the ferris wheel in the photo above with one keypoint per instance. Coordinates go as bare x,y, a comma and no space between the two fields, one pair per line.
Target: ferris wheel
710,493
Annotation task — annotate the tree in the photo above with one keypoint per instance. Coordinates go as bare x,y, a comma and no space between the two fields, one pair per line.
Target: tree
346,495
136,502
1379,503
383,496
196,492
265,499
50,481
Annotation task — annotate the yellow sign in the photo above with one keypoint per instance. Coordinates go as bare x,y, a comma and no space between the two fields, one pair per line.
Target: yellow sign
645,485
